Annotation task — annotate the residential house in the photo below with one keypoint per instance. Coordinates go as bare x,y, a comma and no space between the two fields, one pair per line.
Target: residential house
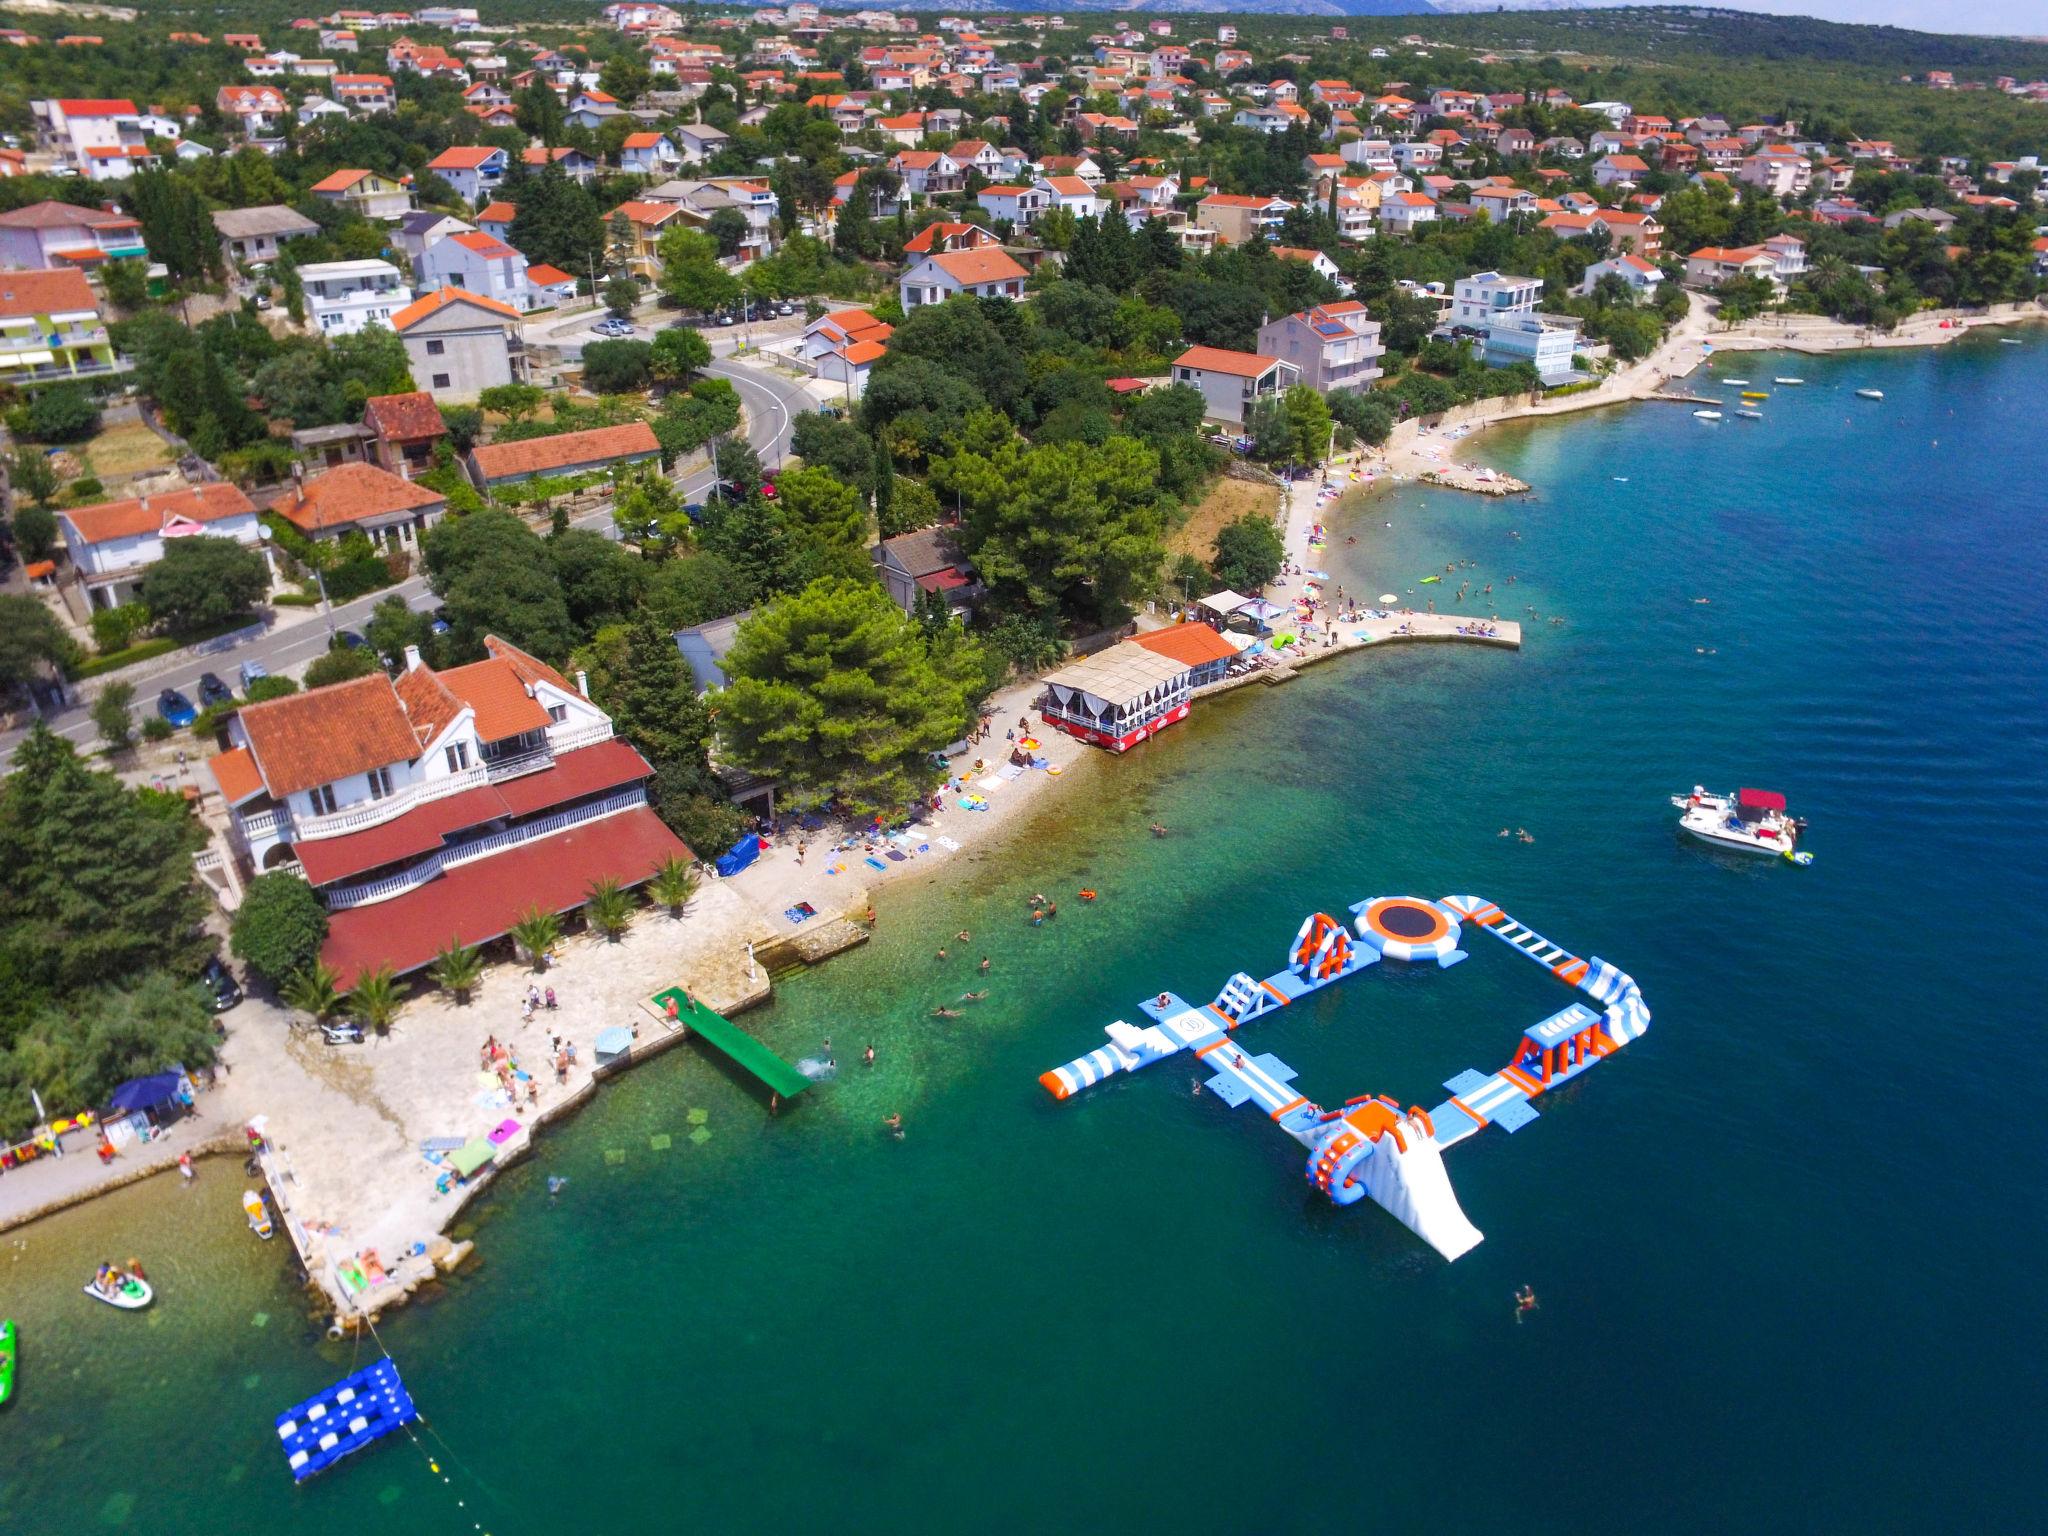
980,156
565,453
926,560
1083,166
1778,168
1500,202
1711,265
252,235
1619,170
948,236
480,264
72,125
473,170
48,234
496,219
112,544
927,172
697,142
1641,277
699,201
1022,206
1309,256
257,111
365,95
1402,212
344,297
647,220
362,498
844,345
1239,219
571,162
1336,346
51,331
988,273
1633,231
366,192
1072,194
1233,382
548,287
1499,313
461,343
316,109
104,162
403,430
439,807
648,154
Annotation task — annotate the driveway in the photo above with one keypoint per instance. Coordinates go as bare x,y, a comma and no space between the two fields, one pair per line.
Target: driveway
772,404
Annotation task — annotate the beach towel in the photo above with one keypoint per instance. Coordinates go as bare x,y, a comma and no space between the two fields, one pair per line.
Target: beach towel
835,869
505,1131
874,863
993,782
895,856
795,914
1011,771
949,845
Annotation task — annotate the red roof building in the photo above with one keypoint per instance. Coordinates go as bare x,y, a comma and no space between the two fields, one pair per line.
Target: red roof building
439,807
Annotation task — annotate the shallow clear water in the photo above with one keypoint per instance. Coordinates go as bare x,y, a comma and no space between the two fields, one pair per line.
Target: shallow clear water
1787,1245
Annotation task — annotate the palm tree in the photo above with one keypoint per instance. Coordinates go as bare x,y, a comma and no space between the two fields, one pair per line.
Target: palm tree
674,883
313,991
610,907
537,933
457,968
375,999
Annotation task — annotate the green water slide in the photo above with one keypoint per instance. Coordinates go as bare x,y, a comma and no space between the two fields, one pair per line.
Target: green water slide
714,1029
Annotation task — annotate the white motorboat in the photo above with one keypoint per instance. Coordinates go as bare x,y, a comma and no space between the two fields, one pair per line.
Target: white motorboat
1788,381
258,1214
1869,394
1735,381
1749,415
2010,341
1708,415
127,1293
1750,821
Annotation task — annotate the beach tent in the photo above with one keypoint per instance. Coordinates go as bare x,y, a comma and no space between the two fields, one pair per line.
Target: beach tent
1223,604
742,853
147,1093
472,1155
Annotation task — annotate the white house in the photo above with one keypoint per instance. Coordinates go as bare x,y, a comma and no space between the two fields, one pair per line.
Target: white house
113,543
989,272
842,347
1022,206
648,154
1233,382
1072,194
1499,312
344,297
473,170
1641,276
1336,346
480,264
1402,212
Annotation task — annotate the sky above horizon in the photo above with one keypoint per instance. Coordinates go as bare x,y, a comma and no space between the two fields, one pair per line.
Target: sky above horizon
2018,18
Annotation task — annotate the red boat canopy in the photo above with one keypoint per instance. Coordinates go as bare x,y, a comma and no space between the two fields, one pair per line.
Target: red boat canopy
1760,800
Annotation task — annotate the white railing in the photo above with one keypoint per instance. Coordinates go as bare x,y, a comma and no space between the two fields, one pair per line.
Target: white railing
341,897
515,765
567,738
261,825
371,813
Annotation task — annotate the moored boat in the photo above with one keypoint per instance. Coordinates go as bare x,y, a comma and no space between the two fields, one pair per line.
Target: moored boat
1756,394
258,1214
1788,381
1750,821
1748,415
1708,415
127,1292
7,1346
1869,394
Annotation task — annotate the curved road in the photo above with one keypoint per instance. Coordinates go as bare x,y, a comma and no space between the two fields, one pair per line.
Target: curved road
772,404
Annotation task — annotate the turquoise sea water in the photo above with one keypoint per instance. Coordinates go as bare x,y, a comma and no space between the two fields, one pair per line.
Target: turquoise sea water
1788,1245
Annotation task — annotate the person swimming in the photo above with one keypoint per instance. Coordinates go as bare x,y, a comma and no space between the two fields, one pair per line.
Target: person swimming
974,997
947,1013
1525,1302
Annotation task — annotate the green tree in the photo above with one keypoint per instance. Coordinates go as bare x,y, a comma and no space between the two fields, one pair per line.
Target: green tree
203,582
836,692
558,222
493,576
621,293
267,688
375,998
673,884
617,367
465,424
393,625
126,282
728,227
35,533
31,638
33,477
515,402
537,933
1369,415
457,968
540,113
690,273
279,927
1308,423
113,714
608,906
100,886
1248,553
340,664
679,352
63,414
77,1049
175,225
601,583
829,515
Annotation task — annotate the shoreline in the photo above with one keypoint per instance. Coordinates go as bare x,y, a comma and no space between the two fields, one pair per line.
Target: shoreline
734,918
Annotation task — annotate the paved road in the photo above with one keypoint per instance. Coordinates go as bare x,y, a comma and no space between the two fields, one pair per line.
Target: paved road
772,404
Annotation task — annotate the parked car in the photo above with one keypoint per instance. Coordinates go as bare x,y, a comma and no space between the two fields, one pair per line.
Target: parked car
174,707
250,671
785,308
213,691
220,984
351,639
617,328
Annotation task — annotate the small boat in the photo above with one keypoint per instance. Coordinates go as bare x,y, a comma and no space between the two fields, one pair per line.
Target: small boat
1735,381
1869,394
1752,821
1788,381
1751,415
1708,415
129,1293
1619,479
258,1214
6,1358
2010,341
1756,394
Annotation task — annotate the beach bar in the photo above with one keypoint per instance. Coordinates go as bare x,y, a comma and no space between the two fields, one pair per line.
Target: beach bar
1118,697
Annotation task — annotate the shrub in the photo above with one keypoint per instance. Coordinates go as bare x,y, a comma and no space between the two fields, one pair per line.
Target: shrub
65,414
35,532
115,629
279,926
114,714
84,491
156,728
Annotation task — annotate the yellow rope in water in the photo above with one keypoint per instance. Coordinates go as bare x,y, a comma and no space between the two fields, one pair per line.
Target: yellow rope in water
447,1451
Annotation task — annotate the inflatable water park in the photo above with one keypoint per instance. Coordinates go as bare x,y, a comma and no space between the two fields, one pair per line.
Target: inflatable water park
1370,1146
356,1411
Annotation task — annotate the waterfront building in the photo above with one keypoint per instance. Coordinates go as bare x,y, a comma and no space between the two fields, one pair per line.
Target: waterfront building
1233,382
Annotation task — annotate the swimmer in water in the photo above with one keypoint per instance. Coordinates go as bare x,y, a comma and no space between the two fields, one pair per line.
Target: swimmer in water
871,1056
1195,1088
895,1124
1525,1302
974,997
947,1013
1158,830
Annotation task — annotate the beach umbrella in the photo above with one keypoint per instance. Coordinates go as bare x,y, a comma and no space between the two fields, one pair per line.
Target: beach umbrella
1388,597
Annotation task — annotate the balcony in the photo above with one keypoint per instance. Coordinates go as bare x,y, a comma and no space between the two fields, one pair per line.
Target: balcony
374,813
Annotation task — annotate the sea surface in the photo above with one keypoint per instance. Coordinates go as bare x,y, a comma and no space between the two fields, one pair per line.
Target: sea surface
1788,1246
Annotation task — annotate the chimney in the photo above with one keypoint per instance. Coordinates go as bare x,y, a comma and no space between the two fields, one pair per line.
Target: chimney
412,659
583,683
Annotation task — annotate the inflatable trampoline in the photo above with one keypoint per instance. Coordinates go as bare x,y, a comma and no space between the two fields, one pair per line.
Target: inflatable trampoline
1409,928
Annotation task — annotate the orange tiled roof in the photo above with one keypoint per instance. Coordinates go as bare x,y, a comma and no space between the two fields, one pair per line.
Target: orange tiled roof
463,157
439,299
981,266
125,519
307,739
237,775
498,696
51,291
408,415
564,450
347,494
1192,645
1245,365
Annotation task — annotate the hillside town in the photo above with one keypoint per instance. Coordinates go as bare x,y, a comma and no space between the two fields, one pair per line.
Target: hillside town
496,482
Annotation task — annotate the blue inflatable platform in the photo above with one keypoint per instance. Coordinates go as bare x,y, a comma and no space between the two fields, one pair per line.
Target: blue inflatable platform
347,1416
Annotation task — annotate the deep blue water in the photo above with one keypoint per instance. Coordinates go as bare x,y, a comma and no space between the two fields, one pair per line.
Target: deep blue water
1788,1245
